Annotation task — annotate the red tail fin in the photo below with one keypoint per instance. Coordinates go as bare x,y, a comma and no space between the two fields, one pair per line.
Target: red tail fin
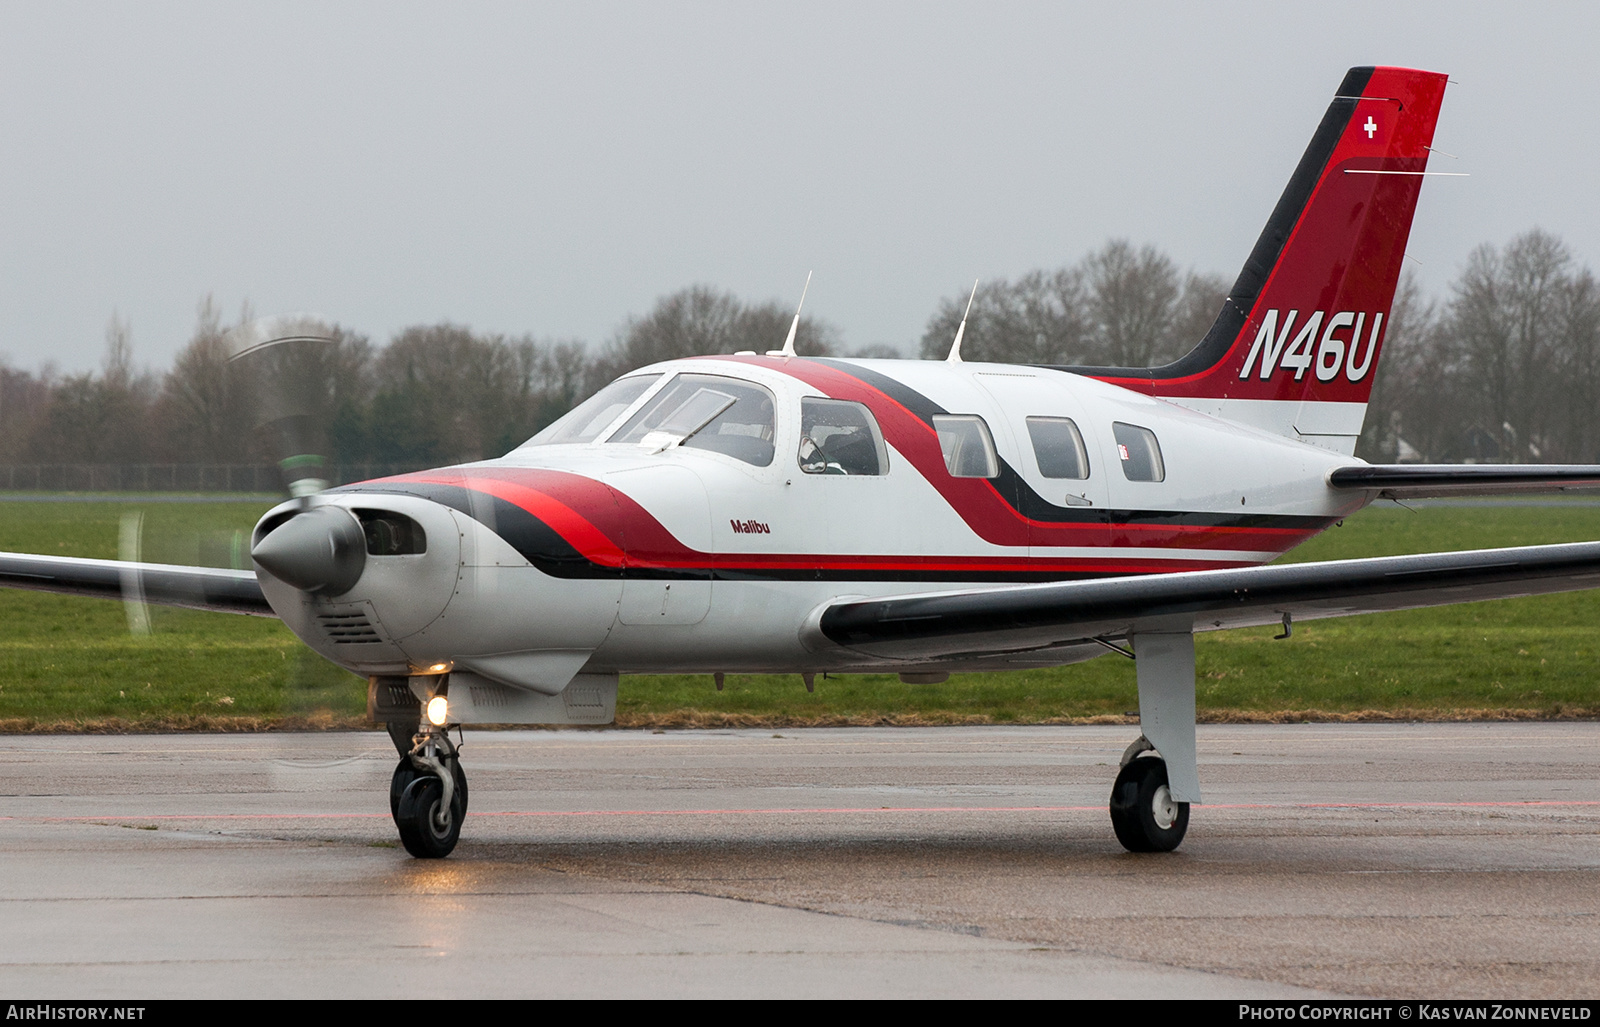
1304,321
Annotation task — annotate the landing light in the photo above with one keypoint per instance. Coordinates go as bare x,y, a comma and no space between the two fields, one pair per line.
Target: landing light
438,710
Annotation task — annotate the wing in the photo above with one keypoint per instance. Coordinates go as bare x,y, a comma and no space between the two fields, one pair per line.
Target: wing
1422,481
995,621
198,588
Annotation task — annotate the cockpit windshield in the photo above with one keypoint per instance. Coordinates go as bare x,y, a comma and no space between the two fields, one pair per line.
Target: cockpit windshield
704,411
587,420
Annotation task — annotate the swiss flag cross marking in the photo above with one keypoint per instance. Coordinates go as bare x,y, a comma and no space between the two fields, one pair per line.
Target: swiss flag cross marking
1371,127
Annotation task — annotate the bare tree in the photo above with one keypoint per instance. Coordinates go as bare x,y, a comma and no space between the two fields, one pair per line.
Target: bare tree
89,419
24,398
701,320
1117,306
207,413
117,365
1578,366
1504,321
1133,298
1413,411
1041,318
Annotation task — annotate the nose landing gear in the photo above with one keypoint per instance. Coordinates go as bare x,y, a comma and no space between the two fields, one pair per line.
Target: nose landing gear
428,795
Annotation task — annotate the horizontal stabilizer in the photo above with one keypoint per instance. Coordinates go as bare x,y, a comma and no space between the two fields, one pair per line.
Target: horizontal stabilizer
197,588
1424,481
988,622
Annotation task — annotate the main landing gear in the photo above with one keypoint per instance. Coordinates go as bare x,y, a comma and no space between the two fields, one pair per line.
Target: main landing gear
428,793
1159,778
1143,811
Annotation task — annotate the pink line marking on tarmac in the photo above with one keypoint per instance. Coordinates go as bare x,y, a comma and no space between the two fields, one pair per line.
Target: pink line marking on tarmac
1512,804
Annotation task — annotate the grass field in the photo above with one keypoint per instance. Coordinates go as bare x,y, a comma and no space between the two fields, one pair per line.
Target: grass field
71,664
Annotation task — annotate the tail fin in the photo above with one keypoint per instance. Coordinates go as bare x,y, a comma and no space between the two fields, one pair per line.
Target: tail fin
1296,346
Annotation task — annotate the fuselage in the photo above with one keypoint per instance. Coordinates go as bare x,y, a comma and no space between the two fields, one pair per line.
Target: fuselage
695,521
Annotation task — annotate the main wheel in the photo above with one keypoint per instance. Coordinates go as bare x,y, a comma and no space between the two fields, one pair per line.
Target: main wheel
427,830
1143,812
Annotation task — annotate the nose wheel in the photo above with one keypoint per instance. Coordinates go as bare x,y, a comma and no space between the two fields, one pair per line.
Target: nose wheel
1143,812
428,797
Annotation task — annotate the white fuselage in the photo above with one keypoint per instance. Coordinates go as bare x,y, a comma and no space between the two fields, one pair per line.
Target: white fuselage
606,556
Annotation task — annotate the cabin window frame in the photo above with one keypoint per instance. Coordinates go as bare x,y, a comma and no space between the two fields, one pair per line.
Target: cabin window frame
1043,454
954,445
1139,450
821,460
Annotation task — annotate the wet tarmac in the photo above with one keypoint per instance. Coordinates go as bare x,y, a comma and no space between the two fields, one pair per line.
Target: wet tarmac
1386,860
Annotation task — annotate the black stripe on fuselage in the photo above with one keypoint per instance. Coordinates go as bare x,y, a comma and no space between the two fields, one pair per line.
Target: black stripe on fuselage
1022,498
543,547
539,544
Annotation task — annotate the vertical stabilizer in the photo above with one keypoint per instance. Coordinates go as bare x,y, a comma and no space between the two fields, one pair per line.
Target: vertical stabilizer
1296,346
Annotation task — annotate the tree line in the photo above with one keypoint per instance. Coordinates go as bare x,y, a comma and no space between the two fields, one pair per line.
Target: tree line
433,394
1505,366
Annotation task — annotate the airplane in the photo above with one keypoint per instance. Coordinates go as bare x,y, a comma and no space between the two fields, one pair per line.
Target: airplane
763,512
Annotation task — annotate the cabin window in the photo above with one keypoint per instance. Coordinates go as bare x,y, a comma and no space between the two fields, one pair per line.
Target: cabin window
838,437
704,411
1139,451
1059,448
594,415
967,446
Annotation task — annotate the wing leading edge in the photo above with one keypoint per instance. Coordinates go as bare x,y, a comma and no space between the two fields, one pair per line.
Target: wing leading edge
1022,618
197,588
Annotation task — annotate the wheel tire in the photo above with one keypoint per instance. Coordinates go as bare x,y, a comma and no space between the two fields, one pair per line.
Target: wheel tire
1142,811
461,782
404,774
421,834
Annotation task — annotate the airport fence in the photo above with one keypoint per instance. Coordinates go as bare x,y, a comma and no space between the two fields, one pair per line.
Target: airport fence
256,478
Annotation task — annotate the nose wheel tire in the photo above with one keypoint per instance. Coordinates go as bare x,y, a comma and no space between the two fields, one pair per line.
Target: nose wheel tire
1143,812
428,828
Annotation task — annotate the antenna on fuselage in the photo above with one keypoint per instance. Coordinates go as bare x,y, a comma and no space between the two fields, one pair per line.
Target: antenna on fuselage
794,326
955,347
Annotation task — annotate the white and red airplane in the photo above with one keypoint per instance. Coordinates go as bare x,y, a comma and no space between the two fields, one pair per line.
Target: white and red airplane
778,514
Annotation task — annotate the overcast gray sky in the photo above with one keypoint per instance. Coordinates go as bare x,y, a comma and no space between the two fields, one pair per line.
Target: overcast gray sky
551,168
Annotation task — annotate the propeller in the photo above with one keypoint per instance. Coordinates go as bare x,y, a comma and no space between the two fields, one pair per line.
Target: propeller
288,363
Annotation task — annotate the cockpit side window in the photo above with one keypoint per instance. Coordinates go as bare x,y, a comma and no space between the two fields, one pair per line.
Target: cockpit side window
704,411
967,446
840,437
587,420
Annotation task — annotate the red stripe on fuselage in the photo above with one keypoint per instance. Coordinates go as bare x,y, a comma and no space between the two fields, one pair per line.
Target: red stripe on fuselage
610,529
986,511
551,497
